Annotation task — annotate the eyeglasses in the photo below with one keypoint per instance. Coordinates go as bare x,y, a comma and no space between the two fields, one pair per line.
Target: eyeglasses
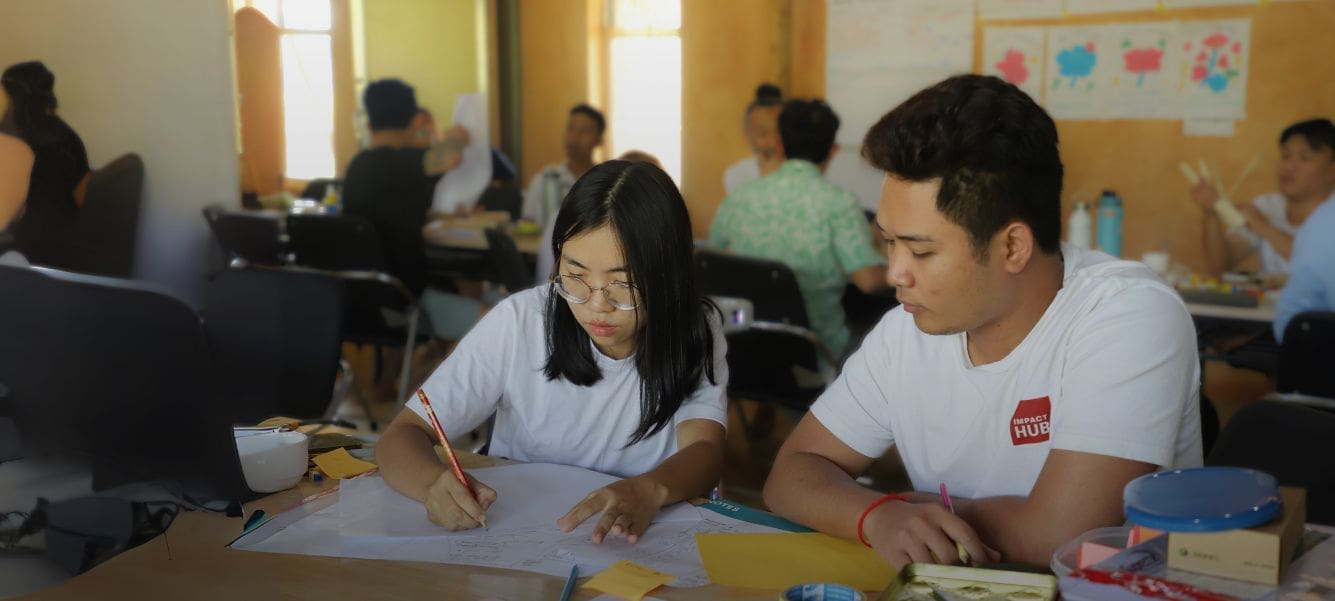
621,295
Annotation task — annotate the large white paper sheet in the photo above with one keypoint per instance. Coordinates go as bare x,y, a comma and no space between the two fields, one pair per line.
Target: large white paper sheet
1019,9
367,520
463,185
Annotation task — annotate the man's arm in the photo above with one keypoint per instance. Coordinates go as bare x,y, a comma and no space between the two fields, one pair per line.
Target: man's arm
812,483
447,153
1074,493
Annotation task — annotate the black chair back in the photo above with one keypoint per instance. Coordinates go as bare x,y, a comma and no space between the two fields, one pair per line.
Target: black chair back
335,242
253,236
507,261
318,187
119,377
502,198
101,240
1291,442
764,363
1307,355
275,336
769,285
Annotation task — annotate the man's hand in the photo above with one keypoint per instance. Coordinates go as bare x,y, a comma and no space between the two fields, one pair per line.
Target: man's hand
1204,195
446,154
628,506
904,533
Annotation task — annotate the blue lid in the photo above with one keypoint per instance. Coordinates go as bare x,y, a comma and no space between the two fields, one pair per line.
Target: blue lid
1202,499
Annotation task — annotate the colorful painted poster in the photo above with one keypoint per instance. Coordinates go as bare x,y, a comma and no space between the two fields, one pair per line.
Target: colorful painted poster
1086,7
1143,78
1212,68
1077,72
1019,9
1015,54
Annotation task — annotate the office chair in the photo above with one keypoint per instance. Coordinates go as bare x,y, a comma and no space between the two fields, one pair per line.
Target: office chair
1291,442
507,262
275,335
101,239
1307,355
253,236
773,356
378,309
117,376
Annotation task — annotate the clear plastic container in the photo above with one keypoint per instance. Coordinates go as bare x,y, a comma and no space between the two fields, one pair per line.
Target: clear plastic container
1063,560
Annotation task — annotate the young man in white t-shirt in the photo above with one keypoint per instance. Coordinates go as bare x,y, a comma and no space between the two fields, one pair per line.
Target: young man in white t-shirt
1033,379
1306,177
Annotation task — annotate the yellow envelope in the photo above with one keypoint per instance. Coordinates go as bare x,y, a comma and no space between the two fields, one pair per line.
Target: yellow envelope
338,463
630,580
778,561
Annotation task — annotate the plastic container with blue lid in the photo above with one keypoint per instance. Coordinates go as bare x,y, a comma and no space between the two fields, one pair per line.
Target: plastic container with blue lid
1202,499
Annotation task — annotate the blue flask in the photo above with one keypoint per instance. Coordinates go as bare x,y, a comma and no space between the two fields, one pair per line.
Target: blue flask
1110,223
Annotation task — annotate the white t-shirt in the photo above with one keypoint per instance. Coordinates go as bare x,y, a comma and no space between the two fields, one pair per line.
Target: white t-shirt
497,368
741,173
1274,208
1111,369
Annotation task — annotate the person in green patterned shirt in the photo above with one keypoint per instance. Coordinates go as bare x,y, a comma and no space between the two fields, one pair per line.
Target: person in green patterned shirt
796,217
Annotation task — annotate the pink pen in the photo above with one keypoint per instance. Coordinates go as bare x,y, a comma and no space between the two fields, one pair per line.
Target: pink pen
945,500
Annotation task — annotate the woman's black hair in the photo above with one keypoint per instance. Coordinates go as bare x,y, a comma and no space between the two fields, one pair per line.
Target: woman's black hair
767,94
675,346
32,99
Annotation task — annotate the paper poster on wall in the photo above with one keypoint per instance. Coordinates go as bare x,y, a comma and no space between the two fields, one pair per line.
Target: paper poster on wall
1170,4
1015,54
1019,9
1086,7
1212,68
1078,71
880,53
1143,80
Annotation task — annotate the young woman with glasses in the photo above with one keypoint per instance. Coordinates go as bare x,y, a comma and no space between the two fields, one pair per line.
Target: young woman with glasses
617,365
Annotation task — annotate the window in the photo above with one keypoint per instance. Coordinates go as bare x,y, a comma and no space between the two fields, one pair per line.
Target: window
308,83
644,79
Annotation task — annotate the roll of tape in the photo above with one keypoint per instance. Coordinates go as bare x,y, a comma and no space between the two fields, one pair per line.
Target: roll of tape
821,591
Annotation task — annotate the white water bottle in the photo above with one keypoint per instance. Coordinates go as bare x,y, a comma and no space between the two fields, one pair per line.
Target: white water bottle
1078,226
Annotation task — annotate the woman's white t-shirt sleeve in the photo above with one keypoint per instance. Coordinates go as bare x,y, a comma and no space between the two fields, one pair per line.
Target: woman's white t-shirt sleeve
465,389
710,401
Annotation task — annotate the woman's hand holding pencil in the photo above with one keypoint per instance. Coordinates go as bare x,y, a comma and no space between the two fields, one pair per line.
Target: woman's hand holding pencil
451,505
455,500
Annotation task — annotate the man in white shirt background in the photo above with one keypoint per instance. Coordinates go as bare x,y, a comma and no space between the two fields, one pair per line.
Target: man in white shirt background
584,133
1034,379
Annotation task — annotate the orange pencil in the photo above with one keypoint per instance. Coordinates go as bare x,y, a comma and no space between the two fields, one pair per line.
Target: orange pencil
449,451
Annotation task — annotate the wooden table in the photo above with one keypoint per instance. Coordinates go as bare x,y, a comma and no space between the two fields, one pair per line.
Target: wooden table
467,233
1263,313
191,561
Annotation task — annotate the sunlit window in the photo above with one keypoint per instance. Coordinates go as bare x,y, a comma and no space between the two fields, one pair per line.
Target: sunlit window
308,83
644,80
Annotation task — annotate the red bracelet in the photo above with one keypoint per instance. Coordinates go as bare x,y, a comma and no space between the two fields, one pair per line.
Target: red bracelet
867,511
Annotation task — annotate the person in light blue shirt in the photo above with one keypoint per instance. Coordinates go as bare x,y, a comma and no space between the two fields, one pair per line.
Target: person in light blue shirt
1311,285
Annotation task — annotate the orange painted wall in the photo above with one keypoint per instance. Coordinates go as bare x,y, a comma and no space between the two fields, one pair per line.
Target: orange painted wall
259,80
1292,59
553,49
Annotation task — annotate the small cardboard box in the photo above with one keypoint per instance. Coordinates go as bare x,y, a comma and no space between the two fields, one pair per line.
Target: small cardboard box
1259,554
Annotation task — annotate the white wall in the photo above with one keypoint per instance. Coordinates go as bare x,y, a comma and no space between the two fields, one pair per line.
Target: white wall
152,77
